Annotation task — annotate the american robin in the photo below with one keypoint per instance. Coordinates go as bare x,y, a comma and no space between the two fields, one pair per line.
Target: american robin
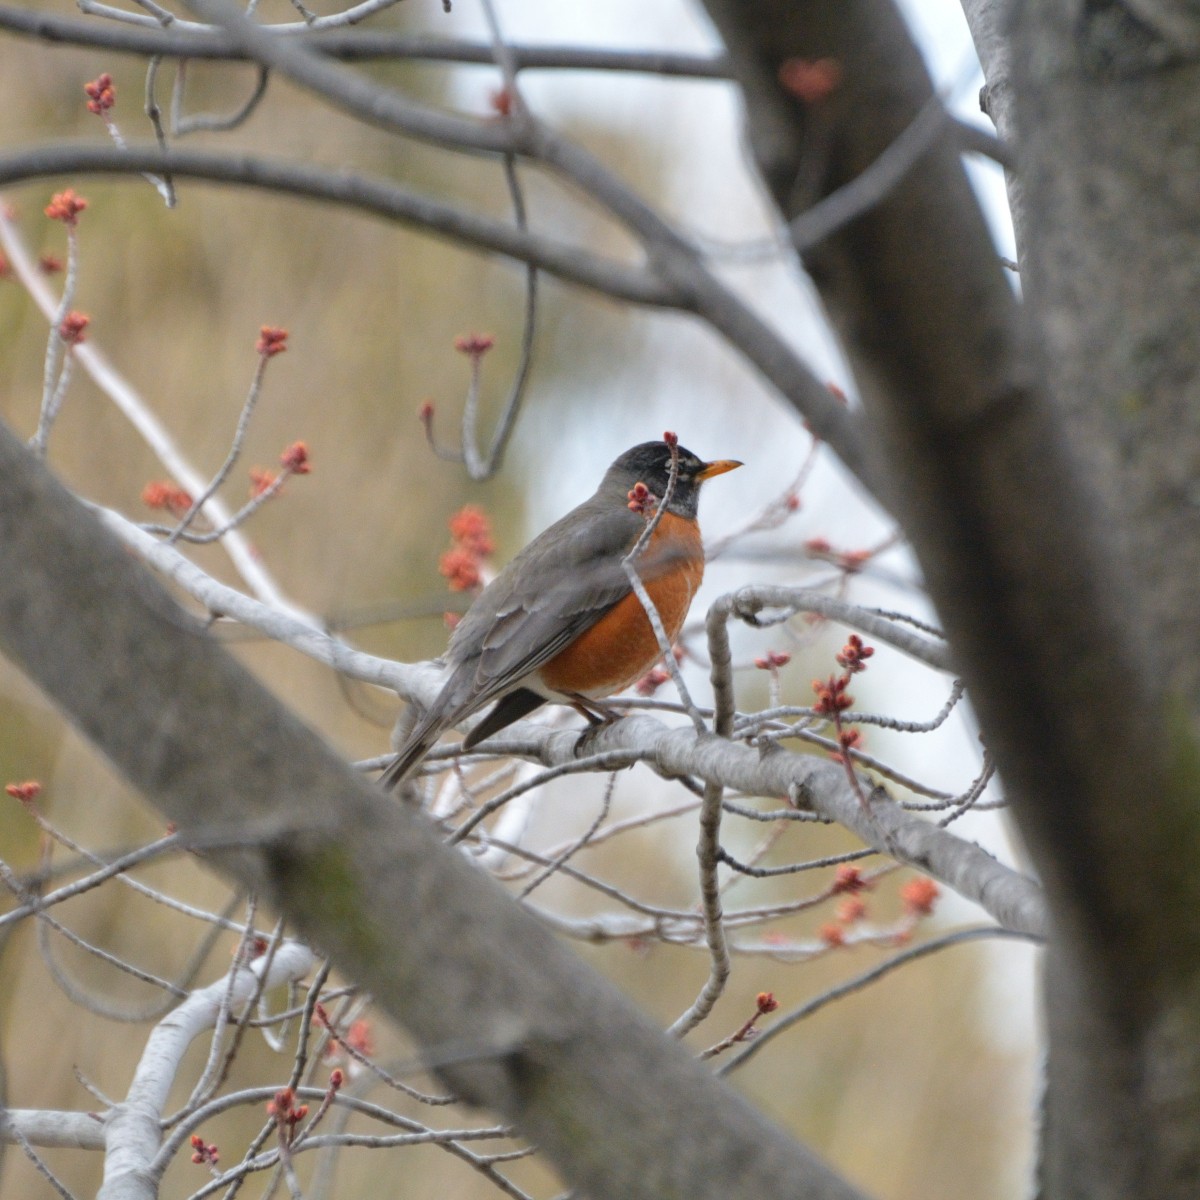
561,622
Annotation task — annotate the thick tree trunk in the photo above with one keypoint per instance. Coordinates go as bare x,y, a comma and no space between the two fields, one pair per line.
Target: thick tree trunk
1107,116
1016,453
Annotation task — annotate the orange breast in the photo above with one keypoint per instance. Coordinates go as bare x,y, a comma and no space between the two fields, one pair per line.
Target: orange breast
621,647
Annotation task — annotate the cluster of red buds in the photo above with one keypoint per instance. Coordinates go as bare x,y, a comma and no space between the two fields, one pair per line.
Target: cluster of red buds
652,681
919,896
25,792
832,697
849,879
810,79
286,1113
295,460
642,500
271,341
360,1038
355,1046
764,1003
773,660
160,494
471,528
854,654
850,561
474,345
657,676
204,1152
247,951
471,544
832,934
101,94
73,328
65,206
500,102
262,480
848,739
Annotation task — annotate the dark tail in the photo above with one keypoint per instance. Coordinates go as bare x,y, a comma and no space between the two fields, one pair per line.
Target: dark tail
510,708
409,756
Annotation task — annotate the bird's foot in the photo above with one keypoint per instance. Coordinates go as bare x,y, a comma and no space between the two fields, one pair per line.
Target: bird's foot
599,718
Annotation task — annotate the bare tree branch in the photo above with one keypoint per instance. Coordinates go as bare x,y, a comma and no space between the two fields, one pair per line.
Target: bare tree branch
48,1129
676,278
350,46
354,191
147,423
133,1131
1012,899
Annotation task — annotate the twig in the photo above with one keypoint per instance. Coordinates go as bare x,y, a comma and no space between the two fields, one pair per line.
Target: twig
709,849
595,762
235,449
868,977
749,603
59,351
184,39
567,261
154,116
214,1067
116,867
629,563
131,404
560,859
708,852
182,124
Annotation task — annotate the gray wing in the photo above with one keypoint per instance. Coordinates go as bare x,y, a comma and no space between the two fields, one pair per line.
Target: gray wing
514,627
517,624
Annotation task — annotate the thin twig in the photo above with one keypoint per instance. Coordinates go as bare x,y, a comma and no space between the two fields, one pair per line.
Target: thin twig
868,977
56,372
560,859
182,124
150,428
235,449
154,115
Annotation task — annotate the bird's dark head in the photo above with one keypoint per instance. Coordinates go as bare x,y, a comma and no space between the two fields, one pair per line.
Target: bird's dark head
650,463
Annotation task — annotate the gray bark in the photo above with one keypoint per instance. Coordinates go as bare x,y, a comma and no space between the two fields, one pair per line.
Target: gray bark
1107,107
1045,474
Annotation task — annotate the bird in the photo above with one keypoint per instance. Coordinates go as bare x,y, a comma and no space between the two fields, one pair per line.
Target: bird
561,622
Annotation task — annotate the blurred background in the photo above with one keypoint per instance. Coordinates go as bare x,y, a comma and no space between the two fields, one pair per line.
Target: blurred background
920,1087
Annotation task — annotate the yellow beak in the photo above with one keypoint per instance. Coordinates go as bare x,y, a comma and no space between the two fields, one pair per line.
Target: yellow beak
717,467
